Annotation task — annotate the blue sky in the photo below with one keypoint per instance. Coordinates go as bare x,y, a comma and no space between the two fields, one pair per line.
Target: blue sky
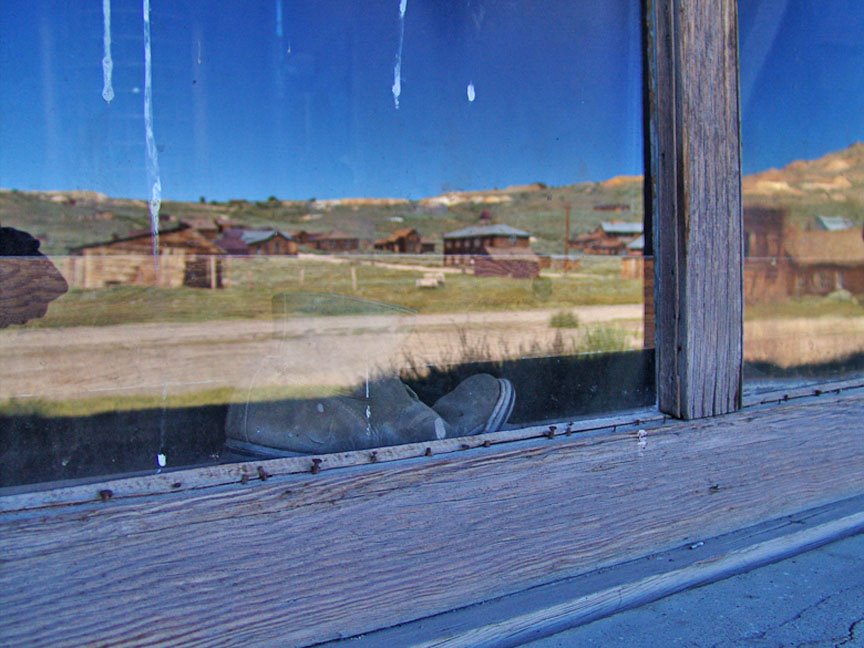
802,79
293,98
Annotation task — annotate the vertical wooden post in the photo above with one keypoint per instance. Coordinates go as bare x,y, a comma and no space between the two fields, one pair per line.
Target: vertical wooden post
696,204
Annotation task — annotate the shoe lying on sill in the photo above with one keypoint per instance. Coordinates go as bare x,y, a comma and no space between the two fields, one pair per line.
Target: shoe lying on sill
479,404
391,415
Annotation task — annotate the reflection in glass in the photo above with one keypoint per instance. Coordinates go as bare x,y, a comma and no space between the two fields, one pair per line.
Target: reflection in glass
276,204
802,72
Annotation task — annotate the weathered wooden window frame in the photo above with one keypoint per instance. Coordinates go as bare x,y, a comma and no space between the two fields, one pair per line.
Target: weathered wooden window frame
287,552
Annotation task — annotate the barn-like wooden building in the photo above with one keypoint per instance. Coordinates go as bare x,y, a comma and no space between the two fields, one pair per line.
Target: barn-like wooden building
492,250
405,241
186,258
783,261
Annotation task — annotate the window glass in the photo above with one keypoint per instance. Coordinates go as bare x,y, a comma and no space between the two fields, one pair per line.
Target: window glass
293,226
802,99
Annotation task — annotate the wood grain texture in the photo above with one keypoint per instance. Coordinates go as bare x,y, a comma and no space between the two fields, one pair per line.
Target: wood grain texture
696,205
549,609
31,496
298,559
598,604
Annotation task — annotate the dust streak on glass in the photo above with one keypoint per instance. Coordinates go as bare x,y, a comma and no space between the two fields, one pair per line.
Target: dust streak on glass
152,154
397,70
107,61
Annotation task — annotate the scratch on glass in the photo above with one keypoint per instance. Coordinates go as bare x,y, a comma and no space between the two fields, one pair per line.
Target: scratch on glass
107,61
397,70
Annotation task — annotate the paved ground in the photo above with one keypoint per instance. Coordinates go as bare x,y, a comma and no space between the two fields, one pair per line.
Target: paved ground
814,599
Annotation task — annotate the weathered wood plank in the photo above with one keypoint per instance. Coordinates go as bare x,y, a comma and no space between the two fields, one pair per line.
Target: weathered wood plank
547,610
31,496
696,205
298,559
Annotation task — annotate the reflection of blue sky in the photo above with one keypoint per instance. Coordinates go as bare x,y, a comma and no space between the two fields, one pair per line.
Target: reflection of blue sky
294,97
802,79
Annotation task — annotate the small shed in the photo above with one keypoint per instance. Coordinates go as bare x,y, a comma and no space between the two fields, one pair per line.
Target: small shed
333,241
186,258
403,241
609,238
246,242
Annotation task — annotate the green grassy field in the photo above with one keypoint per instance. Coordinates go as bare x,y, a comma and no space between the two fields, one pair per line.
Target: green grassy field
255,282
804,307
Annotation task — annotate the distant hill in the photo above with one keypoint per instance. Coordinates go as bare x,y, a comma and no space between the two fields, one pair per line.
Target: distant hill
64,220
832,185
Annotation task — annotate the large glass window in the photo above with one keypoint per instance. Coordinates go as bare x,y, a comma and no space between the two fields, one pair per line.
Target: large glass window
802,95
235,221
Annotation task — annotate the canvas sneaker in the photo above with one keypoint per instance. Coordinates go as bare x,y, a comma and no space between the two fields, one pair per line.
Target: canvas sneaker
479,404
391,415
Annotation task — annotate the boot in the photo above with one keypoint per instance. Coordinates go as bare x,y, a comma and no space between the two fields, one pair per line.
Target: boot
479,404
391,415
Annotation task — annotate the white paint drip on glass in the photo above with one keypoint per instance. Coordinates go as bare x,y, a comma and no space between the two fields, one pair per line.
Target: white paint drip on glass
107,61
152,154
161,459
397,70
368,406
471,94
279,31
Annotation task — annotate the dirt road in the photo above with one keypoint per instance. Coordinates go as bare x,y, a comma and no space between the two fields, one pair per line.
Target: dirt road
296,352
165,359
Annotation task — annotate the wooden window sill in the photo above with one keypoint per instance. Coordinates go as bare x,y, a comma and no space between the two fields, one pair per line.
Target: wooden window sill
300,558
